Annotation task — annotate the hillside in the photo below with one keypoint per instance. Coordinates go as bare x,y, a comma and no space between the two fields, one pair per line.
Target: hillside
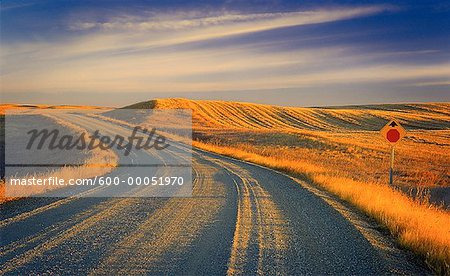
247,116
342,139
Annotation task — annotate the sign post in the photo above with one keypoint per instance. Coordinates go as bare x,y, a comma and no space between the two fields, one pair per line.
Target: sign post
391,169
393,132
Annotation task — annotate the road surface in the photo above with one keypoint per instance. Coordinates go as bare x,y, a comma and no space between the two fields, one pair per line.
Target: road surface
241,219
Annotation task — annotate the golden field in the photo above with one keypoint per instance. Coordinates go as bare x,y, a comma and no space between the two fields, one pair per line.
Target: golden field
344,140
340,149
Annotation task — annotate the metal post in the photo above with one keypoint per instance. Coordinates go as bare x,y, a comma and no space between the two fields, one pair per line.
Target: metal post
391,169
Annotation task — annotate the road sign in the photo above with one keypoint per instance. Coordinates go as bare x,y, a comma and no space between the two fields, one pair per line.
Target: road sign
393,132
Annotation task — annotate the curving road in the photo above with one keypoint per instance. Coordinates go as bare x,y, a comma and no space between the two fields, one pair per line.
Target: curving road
241,219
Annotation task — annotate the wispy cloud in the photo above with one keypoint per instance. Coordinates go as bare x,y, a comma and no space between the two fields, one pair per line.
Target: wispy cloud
216,70
16,5
240,22
131,53
129,33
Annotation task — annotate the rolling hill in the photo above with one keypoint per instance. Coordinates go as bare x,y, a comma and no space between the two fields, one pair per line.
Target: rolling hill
247,116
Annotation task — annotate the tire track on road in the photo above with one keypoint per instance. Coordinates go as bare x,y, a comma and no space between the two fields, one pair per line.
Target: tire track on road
260,226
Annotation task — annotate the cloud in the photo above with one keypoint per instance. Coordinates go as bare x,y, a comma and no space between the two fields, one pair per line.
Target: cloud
431,83
129,33
205,70
240,23
139,54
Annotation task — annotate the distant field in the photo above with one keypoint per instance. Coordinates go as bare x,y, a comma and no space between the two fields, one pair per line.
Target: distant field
341,139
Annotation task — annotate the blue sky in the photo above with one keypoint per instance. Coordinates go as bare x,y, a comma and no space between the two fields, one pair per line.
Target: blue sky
300,53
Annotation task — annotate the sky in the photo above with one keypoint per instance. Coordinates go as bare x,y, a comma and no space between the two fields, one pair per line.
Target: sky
296,53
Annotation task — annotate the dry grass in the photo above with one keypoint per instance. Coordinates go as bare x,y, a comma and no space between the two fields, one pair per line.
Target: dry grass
341,139
93,166
421,160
